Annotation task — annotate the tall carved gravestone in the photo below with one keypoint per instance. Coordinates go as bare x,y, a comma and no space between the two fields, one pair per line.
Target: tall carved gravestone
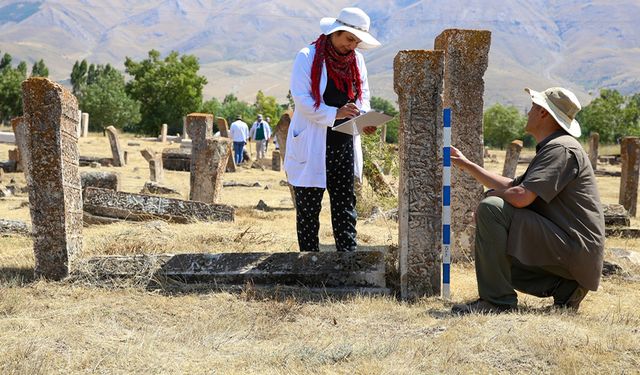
224,132
418,78
630,155
594,141
50,112
208,158
511,159
116,150
466,56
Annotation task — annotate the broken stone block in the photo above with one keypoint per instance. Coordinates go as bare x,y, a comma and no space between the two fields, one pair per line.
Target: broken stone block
138,207
103,180
615,215
8,227
151,187
630,155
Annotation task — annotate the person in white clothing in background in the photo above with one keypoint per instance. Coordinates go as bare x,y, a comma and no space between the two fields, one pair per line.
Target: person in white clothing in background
239,131
329,85
260,132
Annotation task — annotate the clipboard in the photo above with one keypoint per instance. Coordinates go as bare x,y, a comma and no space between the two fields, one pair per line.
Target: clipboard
355,125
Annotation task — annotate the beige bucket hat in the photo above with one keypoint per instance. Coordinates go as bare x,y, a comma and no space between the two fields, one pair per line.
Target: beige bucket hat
563,106
353,20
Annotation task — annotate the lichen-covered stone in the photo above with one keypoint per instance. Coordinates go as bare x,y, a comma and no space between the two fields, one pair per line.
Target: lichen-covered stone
466,56
209,157
594,141
418,77
50,112
104,180
511,159
116,150
630,155
139,207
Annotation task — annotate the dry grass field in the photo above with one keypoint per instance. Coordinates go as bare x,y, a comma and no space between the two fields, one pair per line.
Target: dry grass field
76,327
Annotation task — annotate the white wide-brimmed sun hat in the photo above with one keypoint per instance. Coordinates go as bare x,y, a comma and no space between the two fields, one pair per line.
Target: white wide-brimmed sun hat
563,106
353,20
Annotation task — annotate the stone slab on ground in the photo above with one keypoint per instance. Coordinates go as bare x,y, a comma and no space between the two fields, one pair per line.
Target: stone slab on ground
622,232
336,270
14,227
615,215
138,207
104,180
176,159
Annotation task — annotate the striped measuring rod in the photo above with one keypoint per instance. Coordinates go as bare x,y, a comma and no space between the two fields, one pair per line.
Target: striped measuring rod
446,205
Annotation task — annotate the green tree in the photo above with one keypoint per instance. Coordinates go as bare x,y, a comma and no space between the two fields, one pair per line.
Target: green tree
105,98
502,124
611,115
232,107
79,76
385,106
167,89
267,106
10,88
39,69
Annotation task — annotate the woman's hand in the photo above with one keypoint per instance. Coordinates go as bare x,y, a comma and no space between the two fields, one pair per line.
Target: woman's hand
348,110
369,130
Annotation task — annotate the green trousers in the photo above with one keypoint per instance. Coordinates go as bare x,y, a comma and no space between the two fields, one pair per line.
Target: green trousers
499,274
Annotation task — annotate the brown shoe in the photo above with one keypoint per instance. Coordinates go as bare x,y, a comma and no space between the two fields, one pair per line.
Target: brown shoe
574,300
480,307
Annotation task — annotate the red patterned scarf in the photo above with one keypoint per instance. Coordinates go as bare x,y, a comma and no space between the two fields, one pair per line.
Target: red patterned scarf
342,69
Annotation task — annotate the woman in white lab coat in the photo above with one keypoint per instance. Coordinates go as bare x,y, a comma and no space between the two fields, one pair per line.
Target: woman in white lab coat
329,85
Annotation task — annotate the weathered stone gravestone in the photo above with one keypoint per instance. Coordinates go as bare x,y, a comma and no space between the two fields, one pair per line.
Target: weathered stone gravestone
50,112
21,129
594,141
184,127
209,157
85,124
511,159
281,131
630,155
224,132
466,57
79,125
276,161
116,150
163,133
418,78
156,171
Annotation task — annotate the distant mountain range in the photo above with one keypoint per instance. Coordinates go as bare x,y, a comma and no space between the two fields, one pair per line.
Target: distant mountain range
246,45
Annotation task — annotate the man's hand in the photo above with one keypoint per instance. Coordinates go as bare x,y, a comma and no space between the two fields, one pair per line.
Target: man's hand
458,159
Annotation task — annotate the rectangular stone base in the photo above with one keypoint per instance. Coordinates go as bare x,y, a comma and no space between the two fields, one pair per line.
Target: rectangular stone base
355,271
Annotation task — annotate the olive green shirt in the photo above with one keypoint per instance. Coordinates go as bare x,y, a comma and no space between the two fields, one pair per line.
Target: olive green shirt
564,226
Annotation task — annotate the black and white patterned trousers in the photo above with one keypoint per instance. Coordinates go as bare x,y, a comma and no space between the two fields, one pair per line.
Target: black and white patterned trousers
340,180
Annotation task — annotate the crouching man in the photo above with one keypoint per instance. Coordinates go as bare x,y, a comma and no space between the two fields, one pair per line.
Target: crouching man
541,233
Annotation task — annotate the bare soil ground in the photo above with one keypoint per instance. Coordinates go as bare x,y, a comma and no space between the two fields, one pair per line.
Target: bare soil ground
64,327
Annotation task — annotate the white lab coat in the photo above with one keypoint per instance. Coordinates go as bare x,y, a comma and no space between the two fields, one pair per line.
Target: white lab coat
254,129
306,141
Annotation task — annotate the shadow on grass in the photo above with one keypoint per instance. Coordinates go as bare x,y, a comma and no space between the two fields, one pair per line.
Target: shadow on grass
16,275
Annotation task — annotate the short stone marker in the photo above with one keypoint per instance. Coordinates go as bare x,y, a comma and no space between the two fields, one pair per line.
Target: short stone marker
103,180
630,155
615,215
418,78
466,60
8,227
594,141
156,171
116,150
511,159
163,133
55,195
20,130
275,161
224,132
138,207
85,125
